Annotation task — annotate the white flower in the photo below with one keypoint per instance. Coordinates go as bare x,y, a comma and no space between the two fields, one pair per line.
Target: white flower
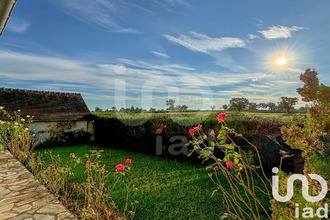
1,107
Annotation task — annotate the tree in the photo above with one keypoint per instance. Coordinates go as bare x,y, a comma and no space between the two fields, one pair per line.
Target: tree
253,106
263,105
212,107
114,109
97,109
272,106
184,107
312,91
170,103
239,103
225,107
288,103
303,109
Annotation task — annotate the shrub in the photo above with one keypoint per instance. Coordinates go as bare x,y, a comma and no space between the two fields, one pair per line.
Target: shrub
16,135
118,132
311,139
241,196
90,199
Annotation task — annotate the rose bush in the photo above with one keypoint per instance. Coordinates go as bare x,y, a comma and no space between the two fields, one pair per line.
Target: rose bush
241,197
90,199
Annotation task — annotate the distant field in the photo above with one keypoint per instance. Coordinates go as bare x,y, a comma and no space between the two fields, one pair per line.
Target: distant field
196,117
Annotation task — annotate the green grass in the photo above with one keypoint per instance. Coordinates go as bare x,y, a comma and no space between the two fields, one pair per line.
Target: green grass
166,189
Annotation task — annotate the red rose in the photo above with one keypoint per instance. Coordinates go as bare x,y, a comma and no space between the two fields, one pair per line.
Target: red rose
199,126
120,166
191,131
229,164
221,117
128,160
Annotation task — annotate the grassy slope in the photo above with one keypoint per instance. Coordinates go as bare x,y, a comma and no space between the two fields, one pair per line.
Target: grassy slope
167,189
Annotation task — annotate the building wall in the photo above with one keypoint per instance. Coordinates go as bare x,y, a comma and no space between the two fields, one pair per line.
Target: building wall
41,129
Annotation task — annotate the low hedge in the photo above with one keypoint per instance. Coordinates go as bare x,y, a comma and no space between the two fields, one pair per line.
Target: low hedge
161,133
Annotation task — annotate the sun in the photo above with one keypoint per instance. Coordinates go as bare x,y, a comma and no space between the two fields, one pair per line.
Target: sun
281,61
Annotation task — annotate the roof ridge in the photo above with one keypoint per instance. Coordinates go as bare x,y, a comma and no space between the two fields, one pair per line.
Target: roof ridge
38,91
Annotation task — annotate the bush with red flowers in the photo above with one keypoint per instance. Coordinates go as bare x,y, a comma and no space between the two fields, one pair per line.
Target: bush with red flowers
240,174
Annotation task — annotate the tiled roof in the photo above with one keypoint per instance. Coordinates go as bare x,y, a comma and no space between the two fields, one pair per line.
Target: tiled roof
44,105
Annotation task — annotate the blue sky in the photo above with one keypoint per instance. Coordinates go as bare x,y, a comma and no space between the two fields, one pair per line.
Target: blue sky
123,53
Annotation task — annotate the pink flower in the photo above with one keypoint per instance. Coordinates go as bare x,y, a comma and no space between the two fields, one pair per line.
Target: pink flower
199,126
221,117
216,167
88,162
229,164
128,160
71,154
191,131
9,143
120,166
51,165
5,137
20,137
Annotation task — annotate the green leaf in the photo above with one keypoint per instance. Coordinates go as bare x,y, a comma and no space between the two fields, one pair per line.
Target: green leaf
209,167
214,191
230,147
236,160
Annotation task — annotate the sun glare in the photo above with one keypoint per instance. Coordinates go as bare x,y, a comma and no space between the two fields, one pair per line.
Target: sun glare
281,61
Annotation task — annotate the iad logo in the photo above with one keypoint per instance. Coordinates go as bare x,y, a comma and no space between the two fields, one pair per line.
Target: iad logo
308,212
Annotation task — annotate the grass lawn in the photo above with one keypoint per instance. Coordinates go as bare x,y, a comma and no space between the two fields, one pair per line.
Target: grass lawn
166,189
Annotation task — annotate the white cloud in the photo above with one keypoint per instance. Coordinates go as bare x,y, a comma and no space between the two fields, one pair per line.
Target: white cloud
17,25
161,55
277,32
205,44
214,47
177,2
115,16
101,13
252,36
136,80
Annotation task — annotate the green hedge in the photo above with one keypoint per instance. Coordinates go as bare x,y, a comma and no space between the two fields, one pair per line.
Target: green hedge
142,137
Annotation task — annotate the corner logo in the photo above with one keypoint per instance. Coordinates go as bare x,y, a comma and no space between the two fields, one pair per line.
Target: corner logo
308,212
304,181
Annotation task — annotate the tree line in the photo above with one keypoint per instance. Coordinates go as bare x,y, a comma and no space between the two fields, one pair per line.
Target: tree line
285,104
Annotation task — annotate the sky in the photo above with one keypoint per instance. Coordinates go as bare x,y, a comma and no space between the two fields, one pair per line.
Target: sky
140,53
